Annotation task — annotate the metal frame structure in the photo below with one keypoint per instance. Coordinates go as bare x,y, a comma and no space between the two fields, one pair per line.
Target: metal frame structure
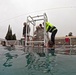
33,20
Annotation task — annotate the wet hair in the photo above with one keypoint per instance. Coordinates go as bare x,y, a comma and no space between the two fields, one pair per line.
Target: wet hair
40,25
24,23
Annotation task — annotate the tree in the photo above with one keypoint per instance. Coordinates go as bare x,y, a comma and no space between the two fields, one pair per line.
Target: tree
9,35
13,37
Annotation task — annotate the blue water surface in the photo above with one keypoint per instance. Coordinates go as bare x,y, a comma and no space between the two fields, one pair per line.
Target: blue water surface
35,61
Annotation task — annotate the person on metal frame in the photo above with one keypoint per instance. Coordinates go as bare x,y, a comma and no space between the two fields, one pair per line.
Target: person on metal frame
53,30
24,31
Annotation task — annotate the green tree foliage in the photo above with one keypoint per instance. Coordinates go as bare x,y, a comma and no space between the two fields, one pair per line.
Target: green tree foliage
13,37
9,35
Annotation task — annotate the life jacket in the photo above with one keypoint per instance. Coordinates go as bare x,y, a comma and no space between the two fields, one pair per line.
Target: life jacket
50,27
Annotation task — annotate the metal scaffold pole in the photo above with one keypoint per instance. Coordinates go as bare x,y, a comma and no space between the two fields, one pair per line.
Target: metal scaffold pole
32,21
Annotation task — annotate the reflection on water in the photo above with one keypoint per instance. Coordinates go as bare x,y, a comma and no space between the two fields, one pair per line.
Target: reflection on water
30,61
35,61
10,48
40,61
8,62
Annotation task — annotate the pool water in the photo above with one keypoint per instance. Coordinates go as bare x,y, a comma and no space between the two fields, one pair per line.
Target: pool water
35,61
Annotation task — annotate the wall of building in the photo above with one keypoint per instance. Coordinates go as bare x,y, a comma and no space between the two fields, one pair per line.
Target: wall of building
61,41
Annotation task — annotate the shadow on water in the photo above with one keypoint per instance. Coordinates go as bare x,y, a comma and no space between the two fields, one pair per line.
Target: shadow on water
9,57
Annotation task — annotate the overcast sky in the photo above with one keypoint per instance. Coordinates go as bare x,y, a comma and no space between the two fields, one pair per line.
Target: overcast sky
61,13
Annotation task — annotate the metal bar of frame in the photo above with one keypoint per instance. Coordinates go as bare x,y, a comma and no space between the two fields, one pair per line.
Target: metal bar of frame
33,22
38,16
35,41
26,37
45,19
36,20
44,28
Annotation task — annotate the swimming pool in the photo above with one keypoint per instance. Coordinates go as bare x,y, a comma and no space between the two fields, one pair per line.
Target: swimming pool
35,61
